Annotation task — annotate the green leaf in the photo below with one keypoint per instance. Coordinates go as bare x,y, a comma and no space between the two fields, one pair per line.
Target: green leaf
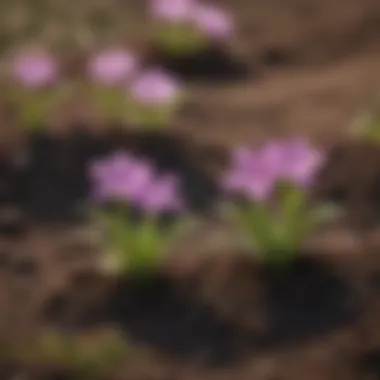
255,220
139,248
112,100
181,227
325,213
179,39
292,204
151,117
120,236
35,107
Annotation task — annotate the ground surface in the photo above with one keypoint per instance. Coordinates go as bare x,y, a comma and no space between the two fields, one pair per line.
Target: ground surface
315,66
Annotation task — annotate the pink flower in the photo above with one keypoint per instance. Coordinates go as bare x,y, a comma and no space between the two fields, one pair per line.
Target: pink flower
237,177
255,173
306,162
154,87
119,177
171,10
34,69
161,196
213,22
126,179
112,67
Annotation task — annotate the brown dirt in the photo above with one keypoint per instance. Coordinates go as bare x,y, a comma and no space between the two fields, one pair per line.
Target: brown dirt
210,319
315,67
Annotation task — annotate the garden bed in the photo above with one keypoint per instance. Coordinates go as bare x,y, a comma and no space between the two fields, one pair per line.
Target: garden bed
221,308
214,311
223,314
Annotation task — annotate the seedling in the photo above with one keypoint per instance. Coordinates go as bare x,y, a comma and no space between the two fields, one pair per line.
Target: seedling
130,187
183,27
367,126
274,182
154,98
34,87
109,72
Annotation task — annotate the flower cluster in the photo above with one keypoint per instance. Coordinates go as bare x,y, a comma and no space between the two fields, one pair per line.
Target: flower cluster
128,182
154,98
112,67
255,173
275,179
117,86
125,179
188,26
211,21
35,91
34,69
126,92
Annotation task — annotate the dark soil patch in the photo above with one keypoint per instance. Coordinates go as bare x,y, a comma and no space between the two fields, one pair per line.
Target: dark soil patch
156,313
55,177
281,306
276,56
12,222
351,179
151,312
215,64
306,301
81,305
369,364
12,188
6,179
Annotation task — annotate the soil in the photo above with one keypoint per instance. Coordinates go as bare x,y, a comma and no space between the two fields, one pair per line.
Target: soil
350,179
313,68
224,315
214,64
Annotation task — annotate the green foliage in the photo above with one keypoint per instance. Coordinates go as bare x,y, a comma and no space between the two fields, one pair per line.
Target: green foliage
151,117
367,126
111,100
139,248
178,39
35,107
277,231
81,358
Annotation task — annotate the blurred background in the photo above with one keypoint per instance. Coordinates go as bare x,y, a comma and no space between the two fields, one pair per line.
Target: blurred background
314,62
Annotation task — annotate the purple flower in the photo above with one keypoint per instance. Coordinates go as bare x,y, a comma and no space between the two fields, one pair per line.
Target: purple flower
119,178
171,10
255,173
301,162
154,87
112,67
250,175
161,196
124,178
212,21
34,69
237,178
